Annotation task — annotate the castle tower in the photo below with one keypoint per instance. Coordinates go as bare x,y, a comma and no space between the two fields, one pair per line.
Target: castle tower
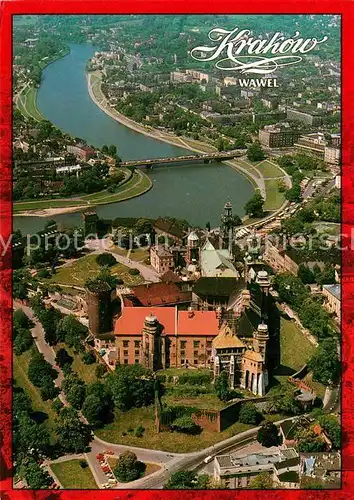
152,351
99,308
193,248
264,283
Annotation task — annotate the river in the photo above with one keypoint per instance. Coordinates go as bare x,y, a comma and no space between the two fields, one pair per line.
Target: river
193,192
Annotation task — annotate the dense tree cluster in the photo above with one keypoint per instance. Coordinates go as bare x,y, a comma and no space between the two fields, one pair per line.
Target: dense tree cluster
310,309
268,435
254,206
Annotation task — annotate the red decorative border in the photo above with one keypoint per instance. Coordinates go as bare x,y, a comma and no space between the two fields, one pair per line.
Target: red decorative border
11,7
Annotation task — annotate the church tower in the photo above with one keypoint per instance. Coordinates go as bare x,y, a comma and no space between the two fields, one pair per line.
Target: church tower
227,225
152,351
193,249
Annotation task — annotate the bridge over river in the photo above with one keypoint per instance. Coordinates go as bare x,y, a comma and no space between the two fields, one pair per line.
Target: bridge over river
202,158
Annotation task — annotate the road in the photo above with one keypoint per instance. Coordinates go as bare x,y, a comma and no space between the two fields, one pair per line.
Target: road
42,346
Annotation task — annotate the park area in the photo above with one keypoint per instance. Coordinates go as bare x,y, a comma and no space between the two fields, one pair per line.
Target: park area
72,476
76,272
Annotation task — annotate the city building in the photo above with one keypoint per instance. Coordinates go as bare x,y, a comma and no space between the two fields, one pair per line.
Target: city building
311,119
332,302
165,337
320,468
166,227
279,260
332,155
276,137
161,258
237,471
81,151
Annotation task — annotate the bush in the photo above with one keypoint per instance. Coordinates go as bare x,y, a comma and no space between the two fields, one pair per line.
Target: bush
186,425
63,358
100,371
249,414
83,464
139,431
88,358
106,259
43,273
128,467
57,405
134,272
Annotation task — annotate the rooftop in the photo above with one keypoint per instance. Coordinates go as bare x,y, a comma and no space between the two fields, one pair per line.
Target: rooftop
157,294
218,286
174,322
333,290
226,338
169,227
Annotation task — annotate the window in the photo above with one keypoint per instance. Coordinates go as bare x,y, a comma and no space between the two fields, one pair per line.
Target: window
196,343
209,352
137,352
195,361
125,343
195,354
183,344
209,343
183,353
125,353
136,343
125,361
136,361
182,361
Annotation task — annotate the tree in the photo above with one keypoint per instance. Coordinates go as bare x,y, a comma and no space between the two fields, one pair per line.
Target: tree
254,206
325,363
294,193
222,386
282,400
308,441
331,426
305,274
73,435
71,331
106,259
100,370
57,405
22,340
262,481
30,436
188,480
76,395
131,387
48,389
268,435
36,477
128,467
63,357
21,320
88,358
39,369
98,405
185,424
255,152
249,414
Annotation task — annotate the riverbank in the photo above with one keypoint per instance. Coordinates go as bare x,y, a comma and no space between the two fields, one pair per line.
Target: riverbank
138,184
97,96
26,98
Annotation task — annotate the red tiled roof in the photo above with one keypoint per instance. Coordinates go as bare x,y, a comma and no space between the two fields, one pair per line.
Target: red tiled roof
198,323
159,294
170,277
132,320
188,323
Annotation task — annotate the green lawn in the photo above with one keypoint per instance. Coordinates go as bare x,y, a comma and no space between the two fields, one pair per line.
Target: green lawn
85,372
86,267
20,370
72,476
274,199
202,401
43,204
167,441
269,169
139,184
